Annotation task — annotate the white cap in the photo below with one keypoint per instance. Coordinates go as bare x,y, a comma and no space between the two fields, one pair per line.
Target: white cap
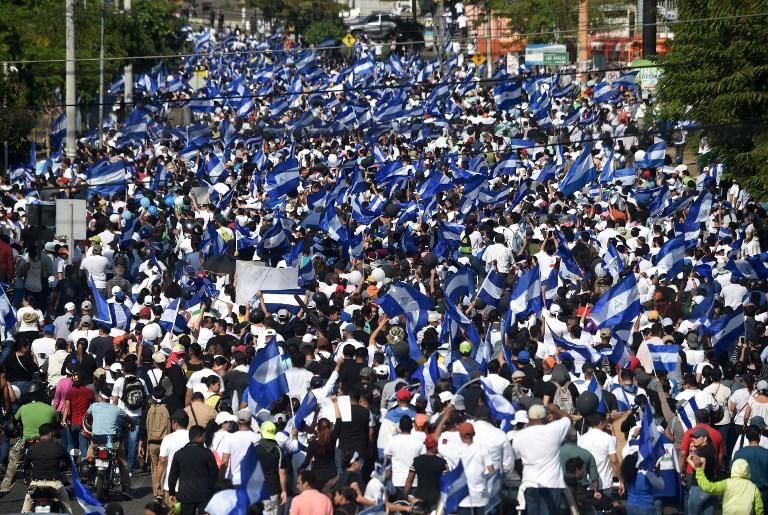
116,290
225,417
69,306
115,367
148,300
308,338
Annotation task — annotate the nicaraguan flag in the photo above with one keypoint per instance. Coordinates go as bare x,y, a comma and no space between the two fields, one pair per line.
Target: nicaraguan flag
594,387
87,501
453,488
671,257
726,331
581,173
285,298
649,441
507,95
492,289
283,178
654,156
526,295
108,178
253,487
404,299
459,284
170,319
500,408
664,356
101,313
585,351
700,209
215,168
750,268
602,92
619,304
266,377
7,311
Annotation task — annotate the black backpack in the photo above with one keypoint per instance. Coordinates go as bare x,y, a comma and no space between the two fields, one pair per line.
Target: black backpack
167,385
133,393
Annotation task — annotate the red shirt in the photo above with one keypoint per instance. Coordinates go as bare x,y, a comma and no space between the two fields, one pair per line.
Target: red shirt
714,437
79,397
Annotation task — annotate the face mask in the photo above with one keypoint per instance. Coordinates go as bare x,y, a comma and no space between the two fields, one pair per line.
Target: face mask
629,388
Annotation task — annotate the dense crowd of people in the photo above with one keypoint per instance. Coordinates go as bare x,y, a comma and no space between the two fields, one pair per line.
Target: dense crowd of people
507,295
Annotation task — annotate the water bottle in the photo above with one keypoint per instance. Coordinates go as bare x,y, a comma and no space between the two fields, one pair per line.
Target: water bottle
109,442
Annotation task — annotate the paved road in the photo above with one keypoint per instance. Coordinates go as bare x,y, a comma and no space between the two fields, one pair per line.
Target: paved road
141,491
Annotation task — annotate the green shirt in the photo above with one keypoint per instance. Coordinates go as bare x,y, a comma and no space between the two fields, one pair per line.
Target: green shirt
34,415
571,450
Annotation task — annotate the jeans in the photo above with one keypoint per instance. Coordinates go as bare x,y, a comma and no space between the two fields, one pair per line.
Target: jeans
75,439
725,431
471,511
631,510
543,501
700,502
131,438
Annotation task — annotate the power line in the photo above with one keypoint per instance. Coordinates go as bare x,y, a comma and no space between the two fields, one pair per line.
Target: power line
479,34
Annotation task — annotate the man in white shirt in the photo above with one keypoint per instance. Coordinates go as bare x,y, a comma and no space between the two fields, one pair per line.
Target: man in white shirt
402,449
538,446
603,447
298,377
691,390
234,449
45,346
478,467
496,444
171,443
498,255
97,266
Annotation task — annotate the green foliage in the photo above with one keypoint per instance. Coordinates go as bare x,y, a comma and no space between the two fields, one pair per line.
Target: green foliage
17,120
716,73
301,14
537,19
321,29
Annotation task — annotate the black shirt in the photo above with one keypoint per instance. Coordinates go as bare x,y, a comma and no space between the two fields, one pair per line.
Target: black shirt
47,458
20,368
353,435
710,469
195,469
428,469
349,372
99,347
222,343
271,460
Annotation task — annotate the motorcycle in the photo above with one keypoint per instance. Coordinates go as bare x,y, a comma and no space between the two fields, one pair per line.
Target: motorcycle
103,473
45,499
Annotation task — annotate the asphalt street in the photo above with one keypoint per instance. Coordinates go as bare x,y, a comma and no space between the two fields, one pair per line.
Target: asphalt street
141,489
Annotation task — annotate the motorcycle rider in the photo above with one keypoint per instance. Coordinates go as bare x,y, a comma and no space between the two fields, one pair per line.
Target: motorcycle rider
47,459
32,415
108,422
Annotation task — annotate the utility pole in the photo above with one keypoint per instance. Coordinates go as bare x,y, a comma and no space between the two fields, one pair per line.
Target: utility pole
101,78
489,43
439,26
70,83
128,73
649,28
583,40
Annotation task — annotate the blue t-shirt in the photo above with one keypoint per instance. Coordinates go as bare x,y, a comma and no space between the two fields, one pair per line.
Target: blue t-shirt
107,418
641,493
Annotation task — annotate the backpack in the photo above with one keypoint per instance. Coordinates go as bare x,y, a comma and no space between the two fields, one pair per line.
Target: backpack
133,393
158,422
167,385
563,399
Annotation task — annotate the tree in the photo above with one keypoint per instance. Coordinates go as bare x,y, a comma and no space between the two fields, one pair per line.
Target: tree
716,73
537,20
301,14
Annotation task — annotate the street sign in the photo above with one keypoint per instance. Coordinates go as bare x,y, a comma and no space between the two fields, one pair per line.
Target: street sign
478,59
556,58
349,40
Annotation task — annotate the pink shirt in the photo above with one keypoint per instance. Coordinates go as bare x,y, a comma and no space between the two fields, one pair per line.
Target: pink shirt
311,502
60,395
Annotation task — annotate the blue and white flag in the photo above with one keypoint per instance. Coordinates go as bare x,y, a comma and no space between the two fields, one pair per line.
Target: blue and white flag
690,232
274,300
492,289
379,509
215,168
619,304
170,320
429,374
649,441
612,262
671,257
101,313
266,377
581,173
620,335
108,178
699,210
404,299
307,407
7,311
283,178
526,295
507,95
584,350
499,407
253,487
687,413
87,501
664,357
594,387
453,488
654,156
726,331
750,268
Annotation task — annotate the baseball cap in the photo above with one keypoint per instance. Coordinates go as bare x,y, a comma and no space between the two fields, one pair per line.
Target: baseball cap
223,417
537,412
308,338
283,313
403,395
524,356
518,374
116,289
420,420
145,313
69,306
605,333
115,367
86,304
244,415
445,397
158,357
148,300
465,347
86,320
268,430
350,328
699,432
381,370
758,422
49,329
762,385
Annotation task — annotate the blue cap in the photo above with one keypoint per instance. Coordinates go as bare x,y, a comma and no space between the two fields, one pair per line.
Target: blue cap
49,329
524,355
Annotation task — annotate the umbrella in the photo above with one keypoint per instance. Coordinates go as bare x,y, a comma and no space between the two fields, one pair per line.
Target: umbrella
220,264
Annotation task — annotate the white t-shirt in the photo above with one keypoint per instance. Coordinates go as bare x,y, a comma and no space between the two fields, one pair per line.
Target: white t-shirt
496,444
97,266
195,381
476,461
403,448
739,399
539,448
168,447
43,347
117,391
601,445
450,447
733,295
236,446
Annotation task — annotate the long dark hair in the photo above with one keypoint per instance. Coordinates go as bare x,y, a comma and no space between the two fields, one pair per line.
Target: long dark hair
324,436
629,470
